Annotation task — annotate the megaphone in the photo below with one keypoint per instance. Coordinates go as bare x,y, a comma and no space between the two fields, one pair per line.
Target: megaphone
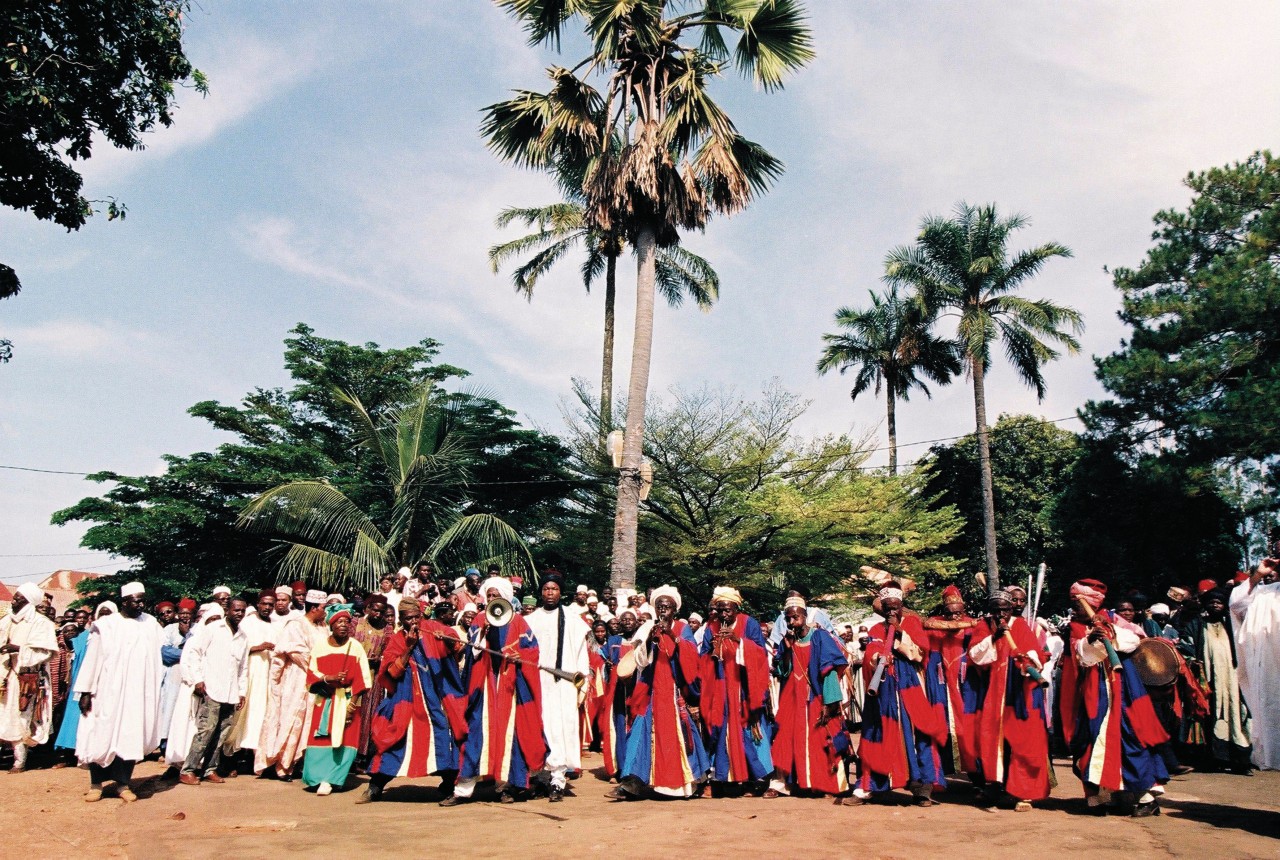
498,612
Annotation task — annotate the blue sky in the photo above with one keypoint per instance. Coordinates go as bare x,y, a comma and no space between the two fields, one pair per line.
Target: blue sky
334,176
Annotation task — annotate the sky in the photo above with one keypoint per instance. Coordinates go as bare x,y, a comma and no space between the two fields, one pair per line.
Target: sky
334,175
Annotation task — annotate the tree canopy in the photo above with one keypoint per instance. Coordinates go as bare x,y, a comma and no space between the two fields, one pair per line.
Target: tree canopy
180,530
1200,372
73,70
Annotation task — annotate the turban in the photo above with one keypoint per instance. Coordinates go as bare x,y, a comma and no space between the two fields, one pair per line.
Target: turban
591,592
499,584
316,596
667,591
890,592
626,610
604,614
221,589
186,603
693,616
283,591
1158,609
210,612
334,599
376,600
725,592
592,600
647,611
1218,593
164,604
795,601
460,582
581,589
110,607
406,603
1177,595
130,589
1205,585
31,592
951,595
1091,591
336,612
404,572
553,575
469,607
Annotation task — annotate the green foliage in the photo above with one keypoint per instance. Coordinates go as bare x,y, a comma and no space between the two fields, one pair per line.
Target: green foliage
70,71
1201,371
739,498
1031,464
180,527
9,286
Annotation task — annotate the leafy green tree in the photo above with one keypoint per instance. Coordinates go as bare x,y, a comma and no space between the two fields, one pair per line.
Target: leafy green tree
661,155
1031,462
740,498
560,227
423,451
962,266
1143,524
9,287
891,344
1200,373
180,530
72,71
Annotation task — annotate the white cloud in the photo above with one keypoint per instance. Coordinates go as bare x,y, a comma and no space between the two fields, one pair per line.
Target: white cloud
66,338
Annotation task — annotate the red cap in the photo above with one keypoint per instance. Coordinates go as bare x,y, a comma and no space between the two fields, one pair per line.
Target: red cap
1206,585
1241,576
187,603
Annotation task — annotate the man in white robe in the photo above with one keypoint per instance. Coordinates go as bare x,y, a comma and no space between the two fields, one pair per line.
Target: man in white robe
1255,609
119,690
27,640
562,644
261,635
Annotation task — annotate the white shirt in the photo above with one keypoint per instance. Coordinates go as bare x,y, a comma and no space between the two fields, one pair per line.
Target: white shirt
219,659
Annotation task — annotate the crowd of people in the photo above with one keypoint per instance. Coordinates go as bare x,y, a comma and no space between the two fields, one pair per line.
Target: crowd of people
466,680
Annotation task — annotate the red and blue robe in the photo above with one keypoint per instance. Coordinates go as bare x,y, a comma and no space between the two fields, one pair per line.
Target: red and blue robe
950,683
664,746
733,687
1116,732
504,706
417,725
809,747
593,699
1013,739
331,740
615,715
901,730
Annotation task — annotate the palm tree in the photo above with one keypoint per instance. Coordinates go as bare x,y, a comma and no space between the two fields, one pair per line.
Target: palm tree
661,156
961,267
332,542
891,344
562,226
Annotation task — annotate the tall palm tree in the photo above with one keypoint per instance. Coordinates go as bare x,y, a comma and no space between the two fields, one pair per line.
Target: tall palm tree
661,156
961,267
332,542
562,226
891,344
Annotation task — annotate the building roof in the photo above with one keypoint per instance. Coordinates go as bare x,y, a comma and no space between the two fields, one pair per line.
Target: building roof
62,585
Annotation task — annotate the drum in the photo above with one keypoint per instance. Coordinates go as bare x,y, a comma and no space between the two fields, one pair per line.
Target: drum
1157,662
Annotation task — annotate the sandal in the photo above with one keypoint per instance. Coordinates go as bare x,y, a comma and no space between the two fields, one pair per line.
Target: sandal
772,793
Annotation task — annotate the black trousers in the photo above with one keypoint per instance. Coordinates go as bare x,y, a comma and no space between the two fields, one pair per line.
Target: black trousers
120,771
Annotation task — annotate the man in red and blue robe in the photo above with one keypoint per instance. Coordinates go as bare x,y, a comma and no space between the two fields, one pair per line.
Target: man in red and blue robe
901,730
504,740
811,742
417,724
950,683
1013,739
733,687
1115,735
664,753
615,713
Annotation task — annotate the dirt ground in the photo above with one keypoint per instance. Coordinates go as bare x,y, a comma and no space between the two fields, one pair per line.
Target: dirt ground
1205,815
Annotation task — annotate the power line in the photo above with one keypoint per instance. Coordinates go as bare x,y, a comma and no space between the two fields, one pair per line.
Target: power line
48,554
51,572
900,446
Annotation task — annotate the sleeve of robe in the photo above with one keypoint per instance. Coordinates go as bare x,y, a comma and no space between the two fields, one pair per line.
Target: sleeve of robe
87,679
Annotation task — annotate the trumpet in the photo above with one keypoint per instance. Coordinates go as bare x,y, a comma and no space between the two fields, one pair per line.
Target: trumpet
578,679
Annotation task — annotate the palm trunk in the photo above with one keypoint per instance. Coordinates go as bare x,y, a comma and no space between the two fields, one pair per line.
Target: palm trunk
891,397
606,373
623,563
984,467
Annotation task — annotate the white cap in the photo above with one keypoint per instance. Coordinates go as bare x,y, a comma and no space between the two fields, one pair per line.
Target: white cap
1158,609
222,589
581,589
315,595
132,588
